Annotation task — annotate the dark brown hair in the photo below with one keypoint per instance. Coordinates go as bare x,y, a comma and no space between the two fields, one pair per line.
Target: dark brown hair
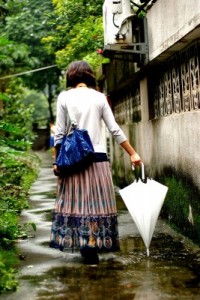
80,72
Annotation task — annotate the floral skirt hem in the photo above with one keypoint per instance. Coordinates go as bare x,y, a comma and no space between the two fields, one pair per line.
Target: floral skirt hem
70,233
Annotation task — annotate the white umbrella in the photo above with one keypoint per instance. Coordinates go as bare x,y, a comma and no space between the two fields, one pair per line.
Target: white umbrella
144,199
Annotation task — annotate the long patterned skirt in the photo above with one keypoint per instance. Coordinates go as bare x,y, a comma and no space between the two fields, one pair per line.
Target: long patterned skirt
85,208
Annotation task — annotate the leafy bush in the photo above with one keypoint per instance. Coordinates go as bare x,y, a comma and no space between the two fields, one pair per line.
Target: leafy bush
15,124
18,169
8,279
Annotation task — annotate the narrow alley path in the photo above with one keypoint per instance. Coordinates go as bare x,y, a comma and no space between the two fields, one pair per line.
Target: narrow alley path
171,272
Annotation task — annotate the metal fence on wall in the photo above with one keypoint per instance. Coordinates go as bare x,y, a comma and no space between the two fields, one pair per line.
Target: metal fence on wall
175,86
127,105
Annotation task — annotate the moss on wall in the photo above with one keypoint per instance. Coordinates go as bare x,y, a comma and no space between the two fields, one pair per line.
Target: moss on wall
182,204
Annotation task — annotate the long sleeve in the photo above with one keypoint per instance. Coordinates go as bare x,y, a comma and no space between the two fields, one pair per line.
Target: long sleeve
111,124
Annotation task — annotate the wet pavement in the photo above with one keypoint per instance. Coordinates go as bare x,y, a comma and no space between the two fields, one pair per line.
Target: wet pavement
172,271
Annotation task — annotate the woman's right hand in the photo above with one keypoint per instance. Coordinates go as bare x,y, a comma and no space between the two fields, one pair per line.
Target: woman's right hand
55,168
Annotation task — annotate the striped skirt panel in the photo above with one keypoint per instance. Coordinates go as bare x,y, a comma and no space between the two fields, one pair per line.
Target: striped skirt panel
87,193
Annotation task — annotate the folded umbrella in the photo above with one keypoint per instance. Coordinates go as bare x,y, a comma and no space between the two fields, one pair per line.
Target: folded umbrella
144,200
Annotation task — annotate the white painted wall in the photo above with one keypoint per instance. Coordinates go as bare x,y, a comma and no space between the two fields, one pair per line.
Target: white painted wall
169,21
172,141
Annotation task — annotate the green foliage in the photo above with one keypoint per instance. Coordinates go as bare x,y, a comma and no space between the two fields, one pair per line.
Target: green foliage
13,55
9,232
8,279
15,117
16,124
42,32
79,32
37,100
96,62
84,39
18,170
25,23
8,228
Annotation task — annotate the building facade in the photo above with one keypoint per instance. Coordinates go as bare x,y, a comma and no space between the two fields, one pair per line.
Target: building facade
157,103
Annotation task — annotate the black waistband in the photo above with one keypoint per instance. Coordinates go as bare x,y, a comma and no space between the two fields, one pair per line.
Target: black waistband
99,157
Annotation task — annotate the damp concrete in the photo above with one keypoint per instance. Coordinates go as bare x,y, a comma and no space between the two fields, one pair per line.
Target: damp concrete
172,271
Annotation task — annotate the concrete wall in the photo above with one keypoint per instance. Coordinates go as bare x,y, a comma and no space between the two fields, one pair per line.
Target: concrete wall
169,21
171,141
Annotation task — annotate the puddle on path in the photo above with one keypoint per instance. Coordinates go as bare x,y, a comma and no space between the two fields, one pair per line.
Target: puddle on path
128,274
171,272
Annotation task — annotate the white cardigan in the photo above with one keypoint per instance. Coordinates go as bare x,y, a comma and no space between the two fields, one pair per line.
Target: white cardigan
89,107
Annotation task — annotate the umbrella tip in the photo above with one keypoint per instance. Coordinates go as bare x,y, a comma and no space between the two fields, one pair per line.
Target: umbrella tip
147,251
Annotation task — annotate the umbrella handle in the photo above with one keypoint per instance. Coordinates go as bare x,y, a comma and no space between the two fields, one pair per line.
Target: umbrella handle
142,172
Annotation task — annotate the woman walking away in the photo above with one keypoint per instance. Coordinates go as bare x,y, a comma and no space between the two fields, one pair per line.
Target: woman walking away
85,214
